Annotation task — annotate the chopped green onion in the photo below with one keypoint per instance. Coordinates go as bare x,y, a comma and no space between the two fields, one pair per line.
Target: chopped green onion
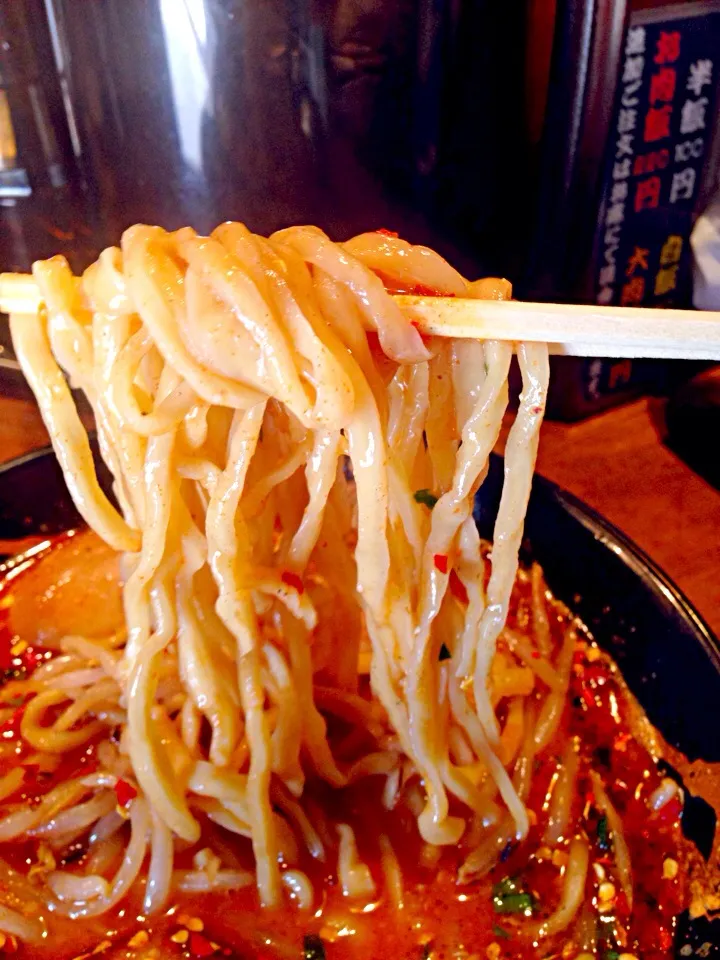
498,931
514,903
313,947
424,496
504,887
444,653
509,897
602,833
612,955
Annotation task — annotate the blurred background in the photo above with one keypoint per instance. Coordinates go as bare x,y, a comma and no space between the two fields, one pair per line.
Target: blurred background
569,145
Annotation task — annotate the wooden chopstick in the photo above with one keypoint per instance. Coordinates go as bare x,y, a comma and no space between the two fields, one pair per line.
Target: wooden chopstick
573,329
576,330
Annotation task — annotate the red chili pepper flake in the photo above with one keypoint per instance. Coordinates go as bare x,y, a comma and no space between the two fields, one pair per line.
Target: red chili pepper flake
666,939
535,655
7,639
420,290
441,562
457,587
670,812
293,580
125,792
11,727
387,233
200,946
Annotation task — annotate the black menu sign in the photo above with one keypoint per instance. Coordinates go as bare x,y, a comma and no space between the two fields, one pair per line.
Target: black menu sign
665,118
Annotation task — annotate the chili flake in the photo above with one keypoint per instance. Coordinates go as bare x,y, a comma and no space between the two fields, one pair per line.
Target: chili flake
293,580
458,588
125,792
200,946
441,562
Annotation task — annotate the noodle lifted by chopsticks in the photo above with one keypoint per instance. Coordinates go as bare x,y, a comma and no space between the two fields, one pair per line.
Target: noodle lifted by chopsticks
296,471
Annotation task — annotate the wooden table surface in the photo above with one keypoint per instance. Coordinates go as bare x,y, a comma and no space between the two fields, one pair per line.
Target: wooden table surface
616,462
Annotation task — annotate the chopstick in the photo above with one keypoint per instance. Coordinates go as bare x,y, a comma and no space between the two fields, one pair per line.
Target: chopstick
576,330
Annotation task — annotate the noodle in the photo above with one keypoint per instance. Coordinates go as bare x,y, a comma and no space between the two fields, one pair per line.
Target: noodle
271,419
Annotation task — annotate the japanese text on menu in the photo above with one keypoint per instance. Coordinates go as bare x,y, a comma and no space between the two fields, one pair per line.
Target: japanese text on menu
664,123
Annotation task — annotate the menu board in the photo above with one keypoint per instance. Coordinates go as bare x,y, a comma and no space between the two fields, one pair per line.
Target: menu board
665,117
666,114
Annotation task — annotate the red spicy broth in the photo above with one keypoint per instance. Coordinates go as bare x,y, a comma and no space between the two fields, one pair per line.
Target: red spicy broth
71,586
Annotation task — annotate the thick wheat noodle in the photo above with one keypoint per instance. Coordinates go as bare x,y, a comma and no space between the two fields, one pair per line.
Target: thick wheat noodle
142,249
229,375
151,763
320,472
231,284
67,434
520,455
73,346
158,503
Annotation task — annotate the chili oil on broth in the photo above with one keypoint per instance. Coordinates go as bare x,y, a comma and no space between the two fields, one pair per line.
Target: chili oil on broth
72,586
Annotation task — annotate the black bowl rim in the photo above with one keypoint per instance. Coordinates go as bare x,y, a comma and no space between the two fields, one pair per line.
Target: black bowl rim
638,561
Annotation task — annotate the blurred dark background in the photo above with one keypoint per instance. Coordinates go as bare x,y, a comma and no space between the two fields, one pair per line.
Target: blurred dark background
482,128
